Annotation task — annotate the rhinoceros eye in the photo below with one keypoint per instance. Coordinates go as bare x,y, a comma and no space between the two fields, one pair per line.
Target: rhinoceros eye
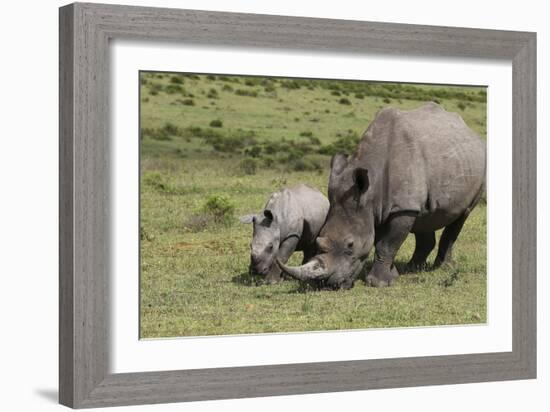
349,247
270,247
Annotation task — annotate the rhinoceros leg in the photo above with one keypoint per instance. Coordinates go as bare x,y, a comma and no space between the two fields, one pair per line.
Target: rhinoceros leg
286,249
425,242
446,243
388,241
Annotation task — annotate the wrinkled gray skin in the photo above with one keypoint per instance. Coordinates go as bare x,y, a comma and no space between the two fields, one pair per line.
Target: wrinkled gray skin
413,171
290,221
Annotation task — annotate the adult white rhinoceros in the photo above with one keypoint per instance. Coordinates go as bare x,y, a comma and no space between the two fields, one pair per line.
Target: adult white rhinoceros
413,171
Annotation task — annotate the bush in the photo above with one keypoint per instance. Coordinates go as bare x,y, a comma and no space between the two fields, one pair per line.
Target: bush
161,183
344,100
216,123
211,77
216,210
306,134
154,89
249,93
359,95
252,81
253,151
387,100
176,80
188,102
268,161
248,166
461,106
335,93
344,144
231,142
227,88
212,94
220,208
291,84
171,129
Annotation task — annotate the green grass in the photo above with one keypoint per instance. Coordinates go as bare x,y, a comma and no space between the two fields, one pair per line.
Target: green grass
194,269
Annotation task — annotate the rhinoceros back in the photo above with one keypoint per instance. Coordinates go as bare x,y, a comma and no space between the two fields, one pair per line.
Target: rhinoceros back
426,161
301,211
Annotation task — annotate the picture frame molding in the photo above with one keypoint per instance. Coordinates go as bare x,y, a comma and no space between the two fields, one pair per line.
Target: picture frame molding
85,31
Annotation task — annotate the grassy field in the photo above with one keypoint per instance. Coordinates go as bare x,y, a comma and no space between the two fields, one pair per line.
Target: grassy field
214,147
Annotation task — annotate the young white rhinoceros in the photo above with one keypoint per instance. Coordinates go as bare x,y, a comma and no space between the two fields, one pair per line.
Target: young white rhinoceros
290,221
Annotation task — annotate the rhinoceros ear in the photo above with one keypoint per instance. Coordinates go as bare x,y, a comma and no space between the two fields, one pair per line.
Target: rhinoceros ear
361,179
269,215
247,218
338,163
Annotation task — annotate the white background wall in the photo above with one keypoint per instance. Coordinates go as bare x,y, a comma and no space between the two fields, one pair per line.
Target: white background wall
28,206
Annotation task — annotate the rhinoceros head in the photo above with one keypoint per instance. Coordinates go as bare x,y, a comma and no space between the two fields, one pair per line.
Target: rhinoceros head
348,234
265,241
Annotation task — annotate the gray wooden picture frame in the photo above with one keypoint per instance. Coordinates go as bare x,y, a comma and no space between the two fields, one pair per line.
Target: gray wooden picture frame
85,31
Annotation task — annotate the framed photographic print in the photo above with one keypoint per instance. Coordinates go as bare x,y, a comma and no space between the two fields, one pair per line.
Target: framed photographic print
257,205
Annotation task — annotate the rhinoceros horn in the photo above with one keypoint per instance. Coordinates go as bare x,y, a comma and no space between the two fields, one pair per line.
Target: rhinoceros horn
312,270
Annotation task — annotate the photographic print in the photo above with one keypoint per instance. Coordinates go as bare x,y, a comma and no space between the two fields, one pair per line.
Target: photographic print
272,205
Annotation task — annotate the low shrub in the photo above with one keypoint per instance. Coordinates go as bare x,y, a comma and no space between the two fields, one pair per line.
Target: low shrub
293,84
161,183
220,208
231,142
155,88
216,123
387,100
254,151
268,161
252,81
176,79
248,166
461,106
212,94
171,129
227,88
314,140
188,102
344,100
346,143
249,93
